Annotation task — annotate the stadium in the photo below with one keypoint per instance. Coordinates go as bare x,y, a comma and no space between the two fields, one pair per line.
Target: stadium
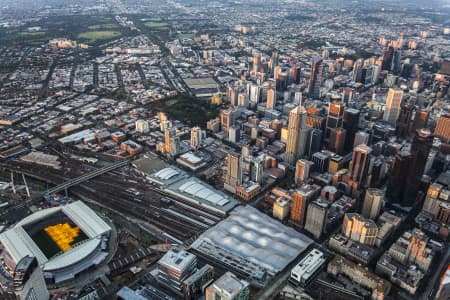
65,240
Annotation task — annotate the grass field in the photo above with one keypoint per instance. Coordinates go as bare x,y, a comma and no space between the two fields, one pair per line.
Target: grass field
94,36
185,36
103,26
157,25
32,33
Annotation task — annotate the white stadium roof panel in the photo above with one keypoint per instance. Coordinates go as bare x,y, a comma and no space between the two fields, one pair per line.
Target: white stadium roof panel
18,243
72,257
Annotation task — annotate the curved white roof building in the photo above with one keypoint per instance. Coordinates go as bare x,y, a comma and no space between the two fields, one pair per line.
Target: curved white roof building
29,238
181,185
252,242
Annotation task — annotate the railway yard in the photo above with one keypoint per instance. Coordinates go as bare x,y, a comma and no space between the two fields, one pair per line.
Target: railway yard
125,192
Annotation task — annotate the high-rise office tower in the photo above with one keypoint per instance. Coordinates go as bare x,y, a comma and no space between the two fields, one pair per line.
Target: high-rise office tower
316,217
399,172
315,79
234,173
359,167
234,133
372,74
373,201
227,118
274,60
387,58
314,143
395,64
404,121
421,120
361,137
256,62
196,137
242,99
321,161
271,98
416,247
442,129
350,124
255,94
335,164
393,103
294,73
420,150
357,70
359,229
232,95
302,170
256,169
337,140
301,198
347,95
296,128
169,135
334,117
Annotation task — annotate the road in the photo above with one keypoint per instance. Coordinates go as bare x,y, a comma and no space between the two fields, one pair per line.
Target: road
432,284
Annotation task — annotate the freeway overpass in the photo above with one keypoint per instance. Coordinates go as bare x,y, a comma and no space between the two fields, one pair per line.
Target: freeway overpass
86,177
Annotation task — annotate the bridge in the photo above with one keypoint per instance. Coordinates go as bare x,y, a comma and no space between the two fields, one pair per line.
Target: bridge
86,177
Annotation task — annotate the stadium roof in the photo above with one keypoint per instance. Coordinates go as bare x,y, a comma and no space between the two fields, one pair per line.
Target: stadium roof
18,244
255,239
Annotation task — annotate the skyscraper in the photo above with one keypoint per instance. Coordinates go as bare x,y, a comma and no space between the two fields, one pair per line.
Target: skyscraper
361,137
405,121
233,176
196,137
347,95
350,124
301,198
316,217
357,70
421,120
395,64
372,203
337,140
393,103
314,142
359,168
399,172
171,141
302,170
442,129
271,98
334,117
296,131
420,149
387,58
256,62
372,74
315,79
359,229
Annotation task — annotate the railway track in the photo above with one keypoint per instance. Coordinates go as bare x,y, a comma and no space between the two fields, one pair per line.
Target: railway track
111,191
